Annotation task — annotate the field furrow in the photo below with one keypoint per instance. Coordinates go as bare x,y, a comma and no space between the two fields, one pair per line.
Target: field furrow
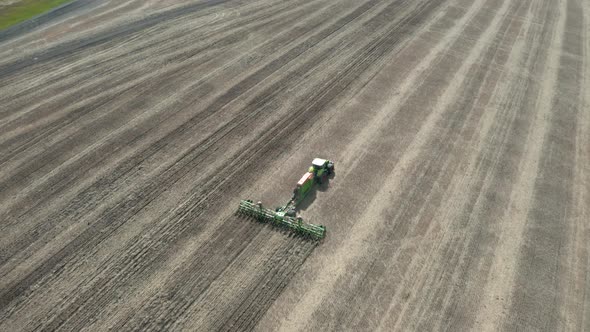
130,130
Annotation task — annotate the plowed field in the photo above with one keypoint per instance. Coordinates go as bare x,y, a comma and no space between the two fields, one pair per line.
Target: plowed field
460,131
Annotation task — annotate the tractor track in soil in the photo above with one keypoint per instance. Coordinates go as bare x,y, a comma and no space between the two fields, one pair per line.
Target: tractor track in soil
129,132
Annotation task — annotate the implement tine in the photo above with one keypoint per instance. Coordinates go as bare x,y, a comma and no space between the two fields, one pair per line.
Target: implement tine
296,225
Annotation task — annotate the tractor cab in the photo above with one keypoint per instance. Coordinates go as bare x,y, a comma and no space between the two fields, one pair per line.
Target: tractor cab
319,164
321,167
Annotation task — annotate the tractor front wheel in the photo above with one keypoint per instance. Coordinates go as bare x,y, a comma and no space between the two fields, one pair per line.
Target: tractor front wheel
330,170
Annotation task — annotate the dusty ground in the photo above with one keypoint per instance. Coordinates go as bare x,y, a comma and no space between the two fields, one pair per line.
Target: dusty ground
129,130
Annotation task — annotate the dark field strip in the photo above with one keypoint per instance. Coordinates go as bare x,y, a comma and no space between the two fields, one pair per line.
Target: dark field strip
130,130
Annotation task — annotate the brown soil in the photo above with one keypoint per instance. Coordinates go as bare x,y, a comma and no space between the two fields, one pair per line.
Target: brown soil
130,130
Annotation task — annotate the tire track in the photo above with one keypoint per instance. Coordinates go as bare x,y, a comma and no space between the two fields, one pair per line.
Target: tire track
395,134
73,47
440,158
116,210
265,292
505,258
254,108
131,135
271,134
180,107
427,187
209,262
164,54
141,83
539,272
89,237
489,170
499,180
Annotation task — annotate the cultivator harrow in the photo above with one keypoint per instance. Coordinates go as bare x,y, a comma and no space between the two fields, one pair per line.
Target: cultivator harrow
280,218
286,216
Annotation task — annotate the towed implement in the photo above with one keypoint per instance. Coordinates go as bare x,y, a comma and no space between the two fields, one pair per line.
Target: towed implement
286,216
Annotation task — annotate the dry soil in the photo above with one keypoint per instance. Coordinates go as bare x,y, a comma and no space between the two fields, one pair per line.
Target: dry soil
460,130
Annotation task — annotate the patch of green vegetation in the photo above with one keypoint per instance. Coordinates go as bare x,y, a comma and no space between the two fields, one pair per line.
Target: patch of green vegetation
22,10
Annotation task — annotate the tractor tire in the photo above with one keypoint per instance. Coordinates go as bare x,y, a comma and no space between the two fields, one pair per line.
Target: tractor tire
330,169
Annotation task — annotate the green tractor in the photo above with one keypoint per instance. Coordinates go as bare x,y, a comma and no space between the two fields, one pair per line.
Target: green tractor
318,172
286,215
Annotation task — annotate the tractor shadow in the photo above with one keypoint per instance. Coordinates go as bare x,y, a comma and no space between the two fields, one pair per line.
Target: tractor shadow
311,197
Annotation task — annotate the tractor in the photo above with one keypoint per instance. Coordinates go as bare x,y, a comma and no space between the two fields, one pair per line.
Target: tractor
318,172
286,215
